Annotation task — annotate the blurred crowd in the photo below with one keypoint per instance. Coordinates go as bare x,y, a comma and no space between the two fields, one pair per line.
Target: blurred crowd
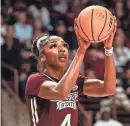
22,21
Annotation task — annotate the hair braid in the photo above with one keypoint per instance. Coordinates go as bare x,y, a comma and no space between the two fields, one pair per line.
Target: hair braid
35,49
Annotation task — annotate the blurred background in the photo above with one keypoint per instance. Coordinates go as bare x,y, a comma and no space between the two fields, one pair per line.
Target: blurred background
23,20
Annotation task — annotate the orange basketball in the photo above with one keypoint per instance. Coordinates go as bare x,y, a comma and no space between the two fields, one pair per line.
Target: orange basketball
95,23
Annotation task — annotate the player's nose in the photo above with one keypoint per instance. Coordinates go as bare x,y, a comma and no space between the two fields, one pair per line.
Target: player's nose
61,49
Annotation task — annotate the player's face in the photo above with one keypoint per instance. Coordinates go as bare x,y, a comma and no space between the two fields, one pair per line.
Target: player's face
56,53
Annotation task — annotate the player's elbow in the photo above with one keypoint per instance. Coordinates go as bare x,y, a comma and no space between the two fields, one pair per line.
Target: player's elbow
111,91
62,95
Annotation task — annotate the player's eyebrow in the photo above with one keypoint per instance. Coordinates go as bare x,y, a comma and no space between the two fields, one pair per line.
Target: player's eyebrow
52,42
55,41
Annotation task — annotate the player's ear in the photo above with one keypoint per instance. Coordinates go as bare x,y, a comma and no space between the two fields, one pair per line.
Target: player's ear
43,58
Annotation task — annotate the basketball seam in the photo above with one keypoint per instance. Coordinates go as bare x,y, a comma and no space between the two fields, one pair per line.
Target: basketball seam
103,26
106,35
92,24
82,28
103,37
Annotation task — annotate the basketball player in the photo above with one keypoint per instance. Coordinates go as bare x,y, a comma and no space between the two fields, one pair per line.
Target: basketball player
52,94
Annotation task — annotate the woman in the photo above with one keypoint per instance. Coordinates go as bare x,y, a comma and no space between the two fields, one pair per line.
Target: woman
121,52
52,95
38,28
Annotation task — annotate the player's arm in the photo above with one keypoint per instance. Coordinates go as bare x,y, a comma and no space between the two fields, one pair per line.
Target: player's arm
98,88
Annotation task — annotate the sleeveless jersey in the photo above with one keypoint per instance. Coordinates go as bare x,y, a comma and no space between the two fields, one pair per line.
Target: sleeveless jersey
45,112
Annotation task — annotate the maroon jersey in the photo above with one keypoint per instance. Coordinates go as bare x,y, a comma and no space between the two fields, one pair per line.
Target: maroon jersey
45,112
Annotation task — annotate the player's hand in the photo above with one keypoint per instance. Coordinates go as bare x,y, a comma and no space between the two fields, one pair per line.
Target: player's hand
109,41
82,43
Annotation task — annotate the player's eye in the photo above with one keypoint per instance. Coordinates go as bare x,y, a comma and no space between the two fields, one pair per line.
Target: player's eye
66,45
53,45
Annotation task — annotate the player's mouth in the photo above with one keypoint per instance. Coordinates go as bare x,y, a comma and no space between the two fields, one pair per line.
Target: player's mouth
62,58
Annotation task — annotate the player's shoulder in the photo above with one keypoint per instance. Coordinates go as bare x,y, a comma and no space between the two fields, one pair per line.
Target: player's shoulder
34,83
35,76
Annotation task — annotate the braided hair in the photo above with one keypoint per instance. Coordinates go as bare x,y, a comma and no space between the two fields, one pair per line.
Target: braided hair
37,51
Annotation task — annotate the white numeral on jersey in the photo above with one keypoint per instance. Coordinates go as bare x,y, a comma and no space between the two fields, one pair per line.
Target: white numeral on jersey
66,121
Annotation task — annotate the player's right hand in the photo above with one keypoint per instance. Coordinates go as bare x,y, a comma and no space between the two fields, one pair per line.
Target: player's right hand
82,43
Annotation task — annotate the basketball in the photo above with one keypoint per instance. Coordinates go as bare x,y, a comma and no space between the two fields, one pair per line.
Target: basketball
95,23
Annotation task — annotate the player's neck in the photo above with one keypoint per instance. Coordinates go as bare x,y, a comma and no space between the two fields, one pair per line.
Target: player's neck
57,74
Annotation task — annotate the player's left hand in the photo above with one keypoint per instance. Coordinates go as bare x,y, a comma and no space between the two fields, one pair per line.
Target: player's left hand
109,41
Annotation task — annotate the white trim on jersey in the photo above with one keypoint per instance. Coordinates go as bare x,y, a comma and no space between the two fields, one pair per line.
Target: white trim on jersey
35,107
35,118
49,77
53,79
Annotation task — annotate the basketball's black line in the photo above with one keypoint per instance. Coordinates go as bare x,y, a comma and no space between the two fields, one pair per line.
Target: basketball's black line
92,24
106,35
103,25
110,27
82,28
103,37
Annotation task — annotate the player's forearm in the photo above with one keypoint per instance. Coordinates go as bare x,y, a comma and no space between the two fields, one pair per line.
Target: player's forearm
69,79
110,75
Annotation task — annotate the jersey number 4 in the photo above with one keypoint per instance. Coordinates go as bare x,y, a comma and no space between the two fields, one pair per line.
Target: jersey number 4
66,121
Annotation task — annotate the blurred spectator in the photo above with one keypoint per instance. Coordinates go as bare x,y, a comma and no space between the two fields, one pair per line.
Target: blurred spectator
60,6
105,119
38,28
25,71
90,73
126,79
61,29
3,26
3,31
23,31
74,8
85,117
121,100
119,9
94,59
45,17
34,11
124,11
67,34
128,39
128,4
1,40
95,2
20,5
41,12
121,53
10,52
